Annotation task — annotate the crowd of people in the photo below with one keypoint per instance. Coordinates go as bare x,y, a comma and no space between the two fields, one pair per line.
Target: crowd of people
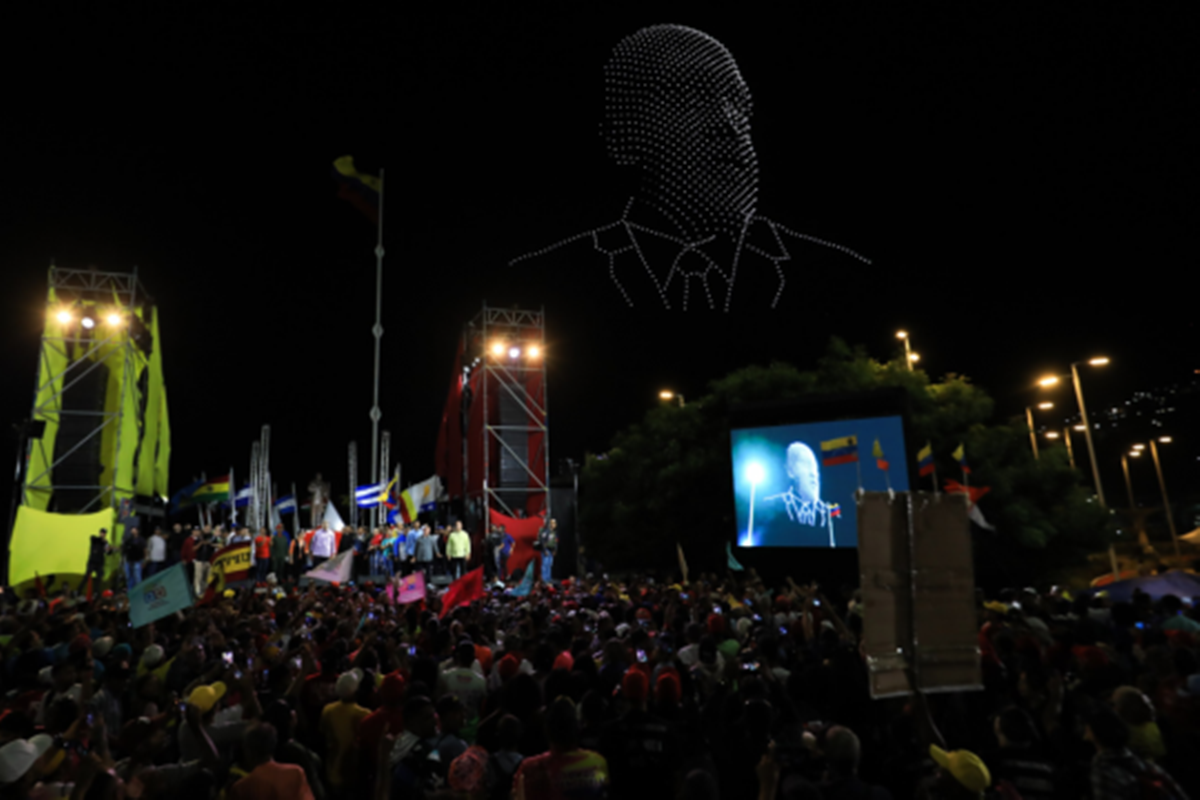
585,688
382,552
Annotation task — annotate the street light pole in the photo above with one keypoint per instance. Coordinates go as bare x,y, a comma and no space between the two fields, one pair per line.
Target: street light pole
1166,501
1087,432
1070,450
1032,433
908,355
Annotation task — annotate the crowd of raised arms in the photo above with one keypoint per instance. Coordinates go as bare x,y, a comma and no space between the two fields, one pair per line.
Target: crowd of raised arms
632,686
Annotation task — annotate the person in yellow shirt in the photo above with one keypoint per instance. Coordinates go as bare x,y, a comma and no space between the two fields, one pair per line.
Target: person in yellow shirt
339,725
458,550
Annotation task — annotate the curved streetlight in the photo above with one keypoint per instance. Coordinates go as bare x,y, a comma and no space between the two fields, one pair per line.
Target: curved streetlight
667,395
910,357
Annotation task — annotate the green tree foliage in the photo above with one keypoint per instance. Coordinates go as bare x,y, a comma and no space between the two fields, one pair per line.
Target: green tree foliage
666,479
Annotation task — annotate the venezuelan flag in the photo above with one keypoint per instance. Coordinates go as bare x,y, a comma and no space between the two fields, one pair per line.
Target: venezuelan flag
214,491
839,451
960,455
880,461
835,510
361,191
925,460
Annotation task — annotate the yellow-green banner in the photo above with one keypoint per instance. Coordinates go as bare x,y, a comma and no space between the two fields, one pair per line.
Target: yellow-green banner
52,544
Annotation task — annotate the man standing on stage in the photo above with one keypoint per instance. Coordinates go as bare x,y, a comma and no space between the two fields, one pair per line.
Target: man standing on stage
206,546
426,551
547,544
262,555
323,544
279,553
458,550
98,548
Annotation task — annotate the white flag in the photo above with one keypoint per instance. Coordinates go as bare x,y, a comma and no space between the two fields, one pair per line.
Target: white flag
333,518
976,516
335,570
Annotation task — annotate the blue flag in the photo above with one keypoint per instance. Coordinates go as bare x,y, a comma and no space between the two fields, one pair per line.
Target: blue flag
154,598
286,504
733,562
184,496
526,586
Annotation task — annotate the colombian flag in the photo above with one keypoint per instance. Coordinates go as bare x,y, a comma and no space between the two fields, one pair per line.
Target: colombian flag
960,455
214,491
925,460
361,191
839,451
880,461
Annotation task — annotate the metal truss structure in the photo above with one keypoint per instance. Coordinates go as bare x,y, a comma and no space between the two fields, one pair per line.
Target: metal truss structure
73,351
504,364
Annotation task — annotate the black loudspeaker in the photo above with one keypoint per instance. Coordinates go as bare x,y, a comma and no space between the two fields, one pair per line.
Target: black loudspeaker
80,418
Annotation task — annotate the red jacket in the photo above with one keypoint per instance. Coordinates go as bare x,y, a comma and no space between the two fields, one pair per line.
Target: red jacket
188,552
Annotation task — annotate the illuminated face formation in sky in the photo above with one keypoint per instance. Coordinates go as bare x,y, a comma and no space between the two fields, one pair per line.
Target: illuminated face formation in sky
676,107
677,111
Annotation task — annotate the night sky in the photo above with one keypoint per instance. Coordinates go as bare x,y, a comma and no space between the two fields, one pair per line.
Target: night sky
1022,177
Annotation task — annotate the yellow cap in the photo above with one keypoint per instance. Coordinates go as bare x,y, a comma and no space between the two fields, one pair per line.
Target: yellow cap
997,606
205,697
966,767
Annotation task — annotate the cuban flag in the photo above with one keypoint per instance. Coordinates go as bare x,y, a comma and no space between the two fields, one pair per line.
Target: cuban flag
370,496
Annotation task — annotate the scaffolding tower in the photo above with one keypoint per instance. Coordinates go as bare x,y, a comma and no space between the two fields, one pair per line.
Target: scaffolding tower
98,432
506,449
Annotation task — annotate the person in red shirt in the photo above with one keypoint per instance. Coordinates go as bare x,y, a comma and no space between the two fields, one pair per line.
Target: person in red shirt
262,555
565,771
387,719
187,555
269,780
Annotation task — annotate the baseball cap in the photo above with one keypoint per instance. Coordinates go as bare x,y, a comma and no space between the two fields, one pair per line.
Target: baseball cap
18,756
634,685
966,767
206,697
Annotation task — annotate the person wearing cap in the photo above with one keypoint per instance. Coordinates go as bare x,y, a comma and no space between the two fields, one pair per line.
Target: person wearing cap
18,759
961,774
226,731
339,725
642,755
267,779
565,764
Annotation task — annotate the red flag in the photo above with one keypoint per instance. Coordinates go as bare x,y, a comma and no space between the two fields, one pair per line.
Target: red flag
89,589
973,493
467,588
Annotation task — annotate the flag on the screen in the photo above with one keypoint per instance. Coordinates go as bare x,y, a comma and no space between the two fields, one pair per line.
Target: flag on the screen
960,455
925,460
877,451
835,510
839,451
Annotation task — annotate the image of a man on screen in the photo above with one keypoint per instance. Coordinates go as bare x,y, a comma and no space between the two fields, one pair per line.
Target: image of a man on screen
799,513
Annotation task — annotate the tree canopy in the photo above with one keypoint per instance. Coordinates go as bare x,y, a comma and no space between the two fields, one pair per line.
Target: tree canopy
666,479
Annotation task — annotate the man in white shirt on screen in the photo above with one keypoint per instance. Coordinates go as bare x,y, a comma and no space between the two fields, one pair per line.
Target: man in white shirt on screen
800,514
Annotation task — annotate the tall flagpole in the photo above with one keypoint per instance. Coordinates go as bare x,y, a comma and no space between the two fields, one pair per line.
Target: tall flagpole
378,333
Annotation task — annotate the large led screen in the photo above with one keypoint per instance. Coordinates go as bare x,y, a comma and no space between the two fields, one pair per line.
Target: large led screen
795,485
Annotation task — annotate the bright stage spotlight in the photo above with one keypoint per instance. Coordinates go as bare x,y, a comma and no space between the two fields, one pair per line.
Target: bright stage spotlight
114,319
64,317
534,351
498,348
88,322
514,352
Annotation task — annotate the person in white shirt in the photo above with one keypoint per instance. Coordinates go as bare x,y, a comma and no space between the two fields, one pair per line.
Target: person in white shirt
156,553
323,544
463,681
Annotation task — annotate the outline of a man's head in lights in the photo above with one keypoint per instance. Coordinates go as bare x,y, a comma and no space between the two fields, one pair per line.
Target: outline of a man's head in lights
677,110
802,469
